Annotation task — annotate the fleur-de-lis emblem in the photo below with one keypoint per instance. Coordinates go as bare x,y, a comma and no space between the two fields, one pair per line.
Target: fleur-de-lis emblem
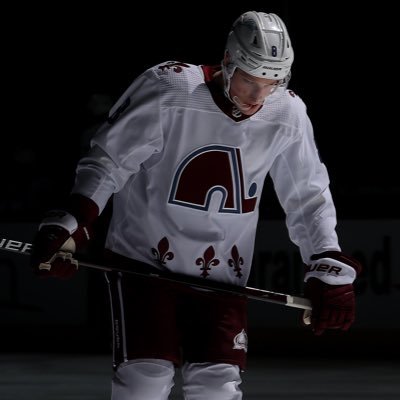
236,261
207,261
161,253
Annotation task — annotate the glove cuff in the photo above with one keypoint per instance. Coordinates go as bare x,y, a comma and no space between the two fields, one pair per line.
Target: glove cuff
60,218
84,209
330,271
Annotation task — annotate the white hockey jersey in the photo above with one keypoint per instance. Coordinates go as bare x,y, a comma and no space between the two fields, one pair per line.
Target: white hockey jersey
187,175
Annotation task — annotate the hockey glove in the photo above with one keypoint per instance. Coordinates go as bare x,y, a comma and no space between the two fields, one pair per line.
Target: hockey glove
61,233
329,285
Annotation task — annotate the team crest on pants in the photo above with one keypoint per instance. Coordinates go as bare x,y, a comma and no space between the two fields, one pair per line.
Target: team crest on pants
240,341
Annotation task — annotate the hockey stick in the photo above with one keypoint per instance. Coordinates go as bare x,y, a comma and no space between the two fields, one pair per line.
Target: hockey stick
250,292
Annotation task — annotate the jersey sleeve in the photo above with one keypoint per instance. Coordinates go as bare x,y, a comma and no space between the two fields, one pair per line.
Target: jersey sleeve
301,182
129,137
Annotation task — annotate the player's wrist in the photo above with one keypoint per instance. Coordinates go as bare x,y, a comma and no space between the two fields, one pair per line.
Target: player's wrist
83,208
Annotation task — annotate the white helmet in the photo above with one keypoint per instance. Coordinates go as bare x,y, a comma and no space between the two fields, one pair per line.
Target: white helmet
259,44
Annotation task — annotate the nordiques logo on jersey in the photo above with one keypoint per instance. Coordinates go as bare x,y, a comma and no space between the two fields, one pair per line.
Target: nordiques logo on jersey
211,169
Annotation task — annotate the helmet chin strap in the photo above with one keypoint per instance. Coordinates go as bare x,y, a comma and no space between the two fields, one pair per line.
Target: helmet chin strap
241,106
227,73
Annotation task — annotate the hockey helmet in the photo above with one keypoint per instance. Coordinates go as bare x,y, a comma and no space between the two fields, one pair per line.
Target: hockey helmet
259,44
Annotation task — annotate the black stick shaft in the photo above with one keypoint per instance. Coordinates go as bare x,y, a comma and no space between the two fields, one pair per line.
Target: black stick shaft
18,247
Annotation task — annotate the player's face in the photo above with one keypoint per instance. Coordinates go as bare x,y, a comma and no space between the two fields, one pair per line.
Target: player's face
249,92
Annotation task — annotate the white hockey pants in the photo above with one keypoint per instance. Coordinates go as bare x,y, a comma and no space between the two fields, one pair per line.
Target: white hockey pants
151,379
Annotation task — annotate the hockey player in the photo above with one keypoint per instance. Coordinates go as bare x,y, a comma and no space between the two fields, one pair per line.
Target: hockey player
184,153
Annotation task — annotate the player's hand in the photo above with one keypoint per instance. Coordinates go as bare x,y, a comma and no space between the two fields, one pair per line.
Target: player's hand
60,235
329,286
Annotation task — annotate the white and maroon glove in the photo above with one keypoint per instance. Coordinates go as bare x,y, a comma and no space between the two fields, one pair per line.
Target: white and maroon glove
329,281
62,233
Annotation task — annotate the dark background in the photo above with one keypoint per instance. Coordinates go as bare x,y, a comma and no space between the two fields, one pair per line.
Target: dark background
64,66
